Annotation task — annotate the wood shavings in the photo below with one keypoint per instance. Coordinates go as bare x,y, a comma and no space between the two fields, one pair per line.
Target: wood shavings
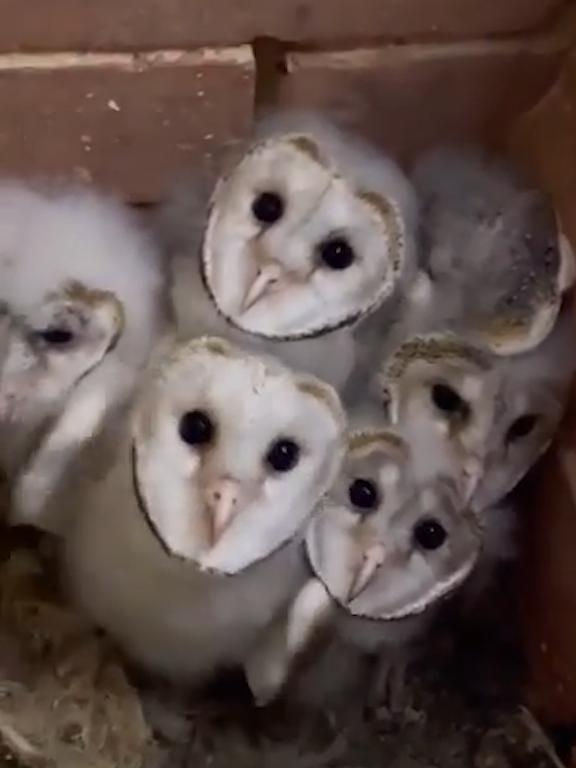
240,754
64,699
227,744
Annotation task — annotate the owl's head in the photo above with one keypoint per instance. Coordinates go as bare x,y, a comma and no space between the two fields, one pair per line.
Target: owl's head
53,345
386,543
532,393
440,381
79,281
540,269
231,452
495,247
309,232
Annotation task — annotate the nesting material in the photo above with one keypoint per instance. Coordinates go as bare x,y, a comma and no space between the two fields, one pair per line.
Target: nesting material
65,700
445,726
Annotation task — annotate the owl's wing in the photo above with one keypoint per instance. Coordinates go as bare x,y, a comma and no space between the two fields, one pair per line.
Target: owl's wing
269,665
80,422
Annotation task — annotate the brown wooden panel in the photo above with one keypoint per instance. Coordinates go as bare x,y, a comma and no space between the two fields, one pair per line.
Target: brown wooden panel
131,123
408,97
121,24
548,582
545,140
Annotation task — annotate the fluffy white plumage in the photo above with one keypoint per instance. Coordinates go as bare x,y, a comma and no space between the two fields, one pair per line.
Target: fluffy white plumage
188,547
391,539
495,415
186,550
498,413
81,291
489,242
441,386
531,396
308,233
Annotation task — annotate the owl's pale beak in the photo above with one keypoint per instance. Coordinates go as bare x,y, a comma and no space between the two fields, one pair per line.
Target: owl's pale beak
268,276
372,559
222,501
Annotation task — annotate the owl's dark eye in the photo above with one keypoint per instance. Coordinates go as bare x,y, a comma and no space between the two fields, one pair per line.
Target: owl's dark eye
56,337
336,253
363,494
268,208
521,427
283,455
196,428
429,534
447,400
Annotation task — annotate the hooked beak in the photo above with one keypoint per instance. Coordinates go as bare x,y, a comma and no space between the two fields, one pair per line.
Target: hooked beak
372,559
222,503
268,276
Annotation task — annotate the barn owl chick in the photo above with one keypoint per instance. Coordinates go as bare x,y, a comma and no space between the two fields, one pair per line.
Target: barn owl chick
384,551
81,294
532,392
309,233
498,413
186,550
386,544
497,264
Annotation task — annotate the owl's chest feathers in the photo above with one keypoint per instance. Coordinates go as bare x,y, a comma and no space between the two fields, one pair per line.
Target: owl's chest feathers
370,636
165,612
330,356
16,445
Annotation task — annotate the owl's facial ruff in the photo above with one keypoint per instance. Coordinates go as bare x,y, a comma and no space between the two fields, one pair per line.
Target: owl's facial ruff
293,249
231,453
388,542
45,353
